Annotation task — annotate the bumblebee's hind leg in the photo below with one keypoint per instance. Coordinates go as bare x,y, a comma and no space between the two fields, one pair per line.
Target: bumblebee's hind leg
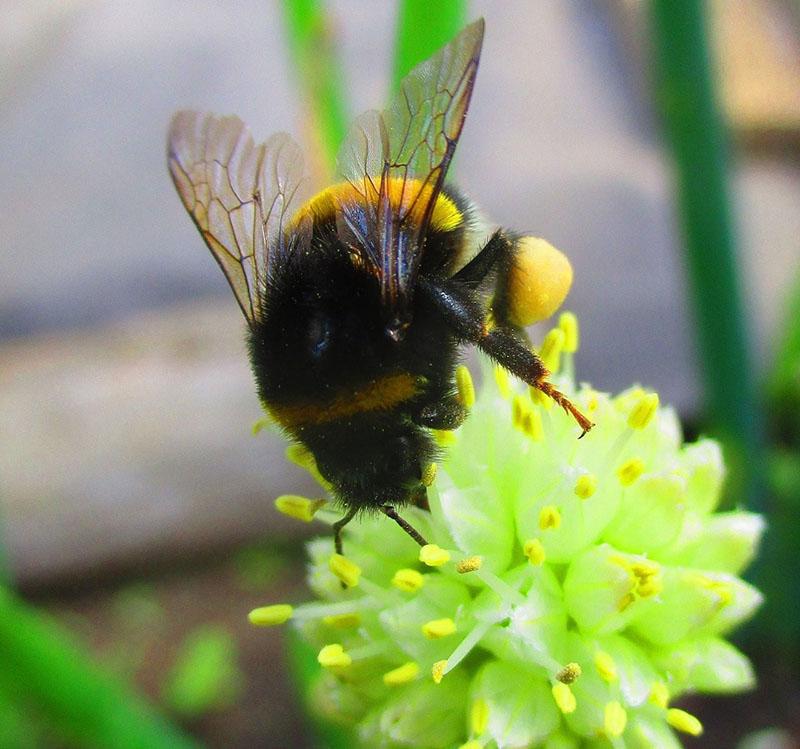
390,512
337,529
494,258
462,310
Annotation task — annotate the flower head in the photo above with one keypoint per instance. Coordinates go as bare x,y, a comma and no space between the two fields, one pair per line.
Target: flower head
572,589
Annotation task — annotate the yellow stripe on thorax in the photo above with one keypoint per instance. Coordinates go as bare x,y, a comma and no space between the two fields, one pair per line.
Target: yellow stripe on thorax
379,395
403,194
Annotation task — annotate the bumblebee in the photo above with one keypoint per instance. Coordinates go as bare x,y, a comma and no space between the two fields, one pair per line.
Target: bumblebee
358,299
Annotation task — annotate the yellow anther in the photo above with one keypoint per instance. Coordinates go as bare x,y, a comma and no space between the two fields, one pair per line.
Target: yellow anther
469,564
570,673
647,576
605,666
644,568
444,437
260,424
552,346
549,518
334,656
534,550
592,401
301,456
680,720
429,474
348,572
532,425
479,716
721,589
565,699
568,322
437,671
437,628
627,600
626,401
629,471
269,616
650,587
433,555
644,411
343,621
466,389
519,407
501,378
540,399
408,580
586,485
299,508
614,719
659,694
401,675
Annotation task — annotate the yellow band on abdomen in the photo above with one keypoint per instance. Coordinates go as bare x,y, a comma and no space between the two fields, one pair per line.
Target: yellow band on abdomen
379,395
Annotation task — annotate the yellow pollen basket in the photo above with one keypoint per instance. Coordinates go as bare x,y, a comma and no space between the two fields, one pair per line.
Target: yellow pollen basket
405,195
539,281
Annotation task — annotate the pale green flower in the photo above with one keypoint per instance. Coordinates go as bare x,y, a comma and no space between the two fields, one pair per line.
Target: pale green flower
573,588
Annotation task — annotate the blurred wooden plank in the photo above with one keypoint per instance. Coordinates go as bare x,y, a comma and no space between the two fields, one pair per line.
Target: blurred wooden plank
132,443
759,62
757,48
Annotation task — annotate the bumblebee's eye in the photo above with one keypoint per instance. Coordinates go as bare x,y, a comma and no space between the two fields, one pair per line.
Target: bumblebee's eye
319,336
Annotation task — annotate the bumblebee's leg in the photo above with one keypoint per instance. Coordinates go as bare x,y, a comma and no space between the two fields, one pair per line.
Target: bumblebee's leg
495,255
337,529
463,311
390,512
442,413
496,258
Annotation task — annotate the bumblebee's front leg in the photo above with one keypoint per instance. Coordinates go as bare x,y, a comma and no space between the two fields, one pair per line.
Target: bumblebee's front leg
462,310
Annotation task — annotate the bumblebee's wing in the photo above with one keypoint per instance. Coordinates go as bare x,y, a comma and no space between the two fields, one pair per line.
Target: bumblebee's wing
396,160
239,194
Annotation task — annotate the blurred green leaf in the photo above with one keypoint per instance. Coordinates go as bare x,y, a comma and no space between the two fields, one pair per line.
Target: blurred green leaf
85,705
206,674
18,727
784,380
696,134
313,50
424,27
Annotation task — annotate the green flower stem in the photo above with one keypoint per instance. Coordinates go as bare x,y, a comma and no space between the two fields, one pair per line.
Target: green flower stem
84,705
422,28
696,134
312,49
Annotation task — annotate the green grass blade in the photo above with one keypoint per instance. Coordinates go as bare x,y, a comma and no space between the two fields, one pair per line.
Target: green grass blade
423,27
311,44
85,706
697,137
